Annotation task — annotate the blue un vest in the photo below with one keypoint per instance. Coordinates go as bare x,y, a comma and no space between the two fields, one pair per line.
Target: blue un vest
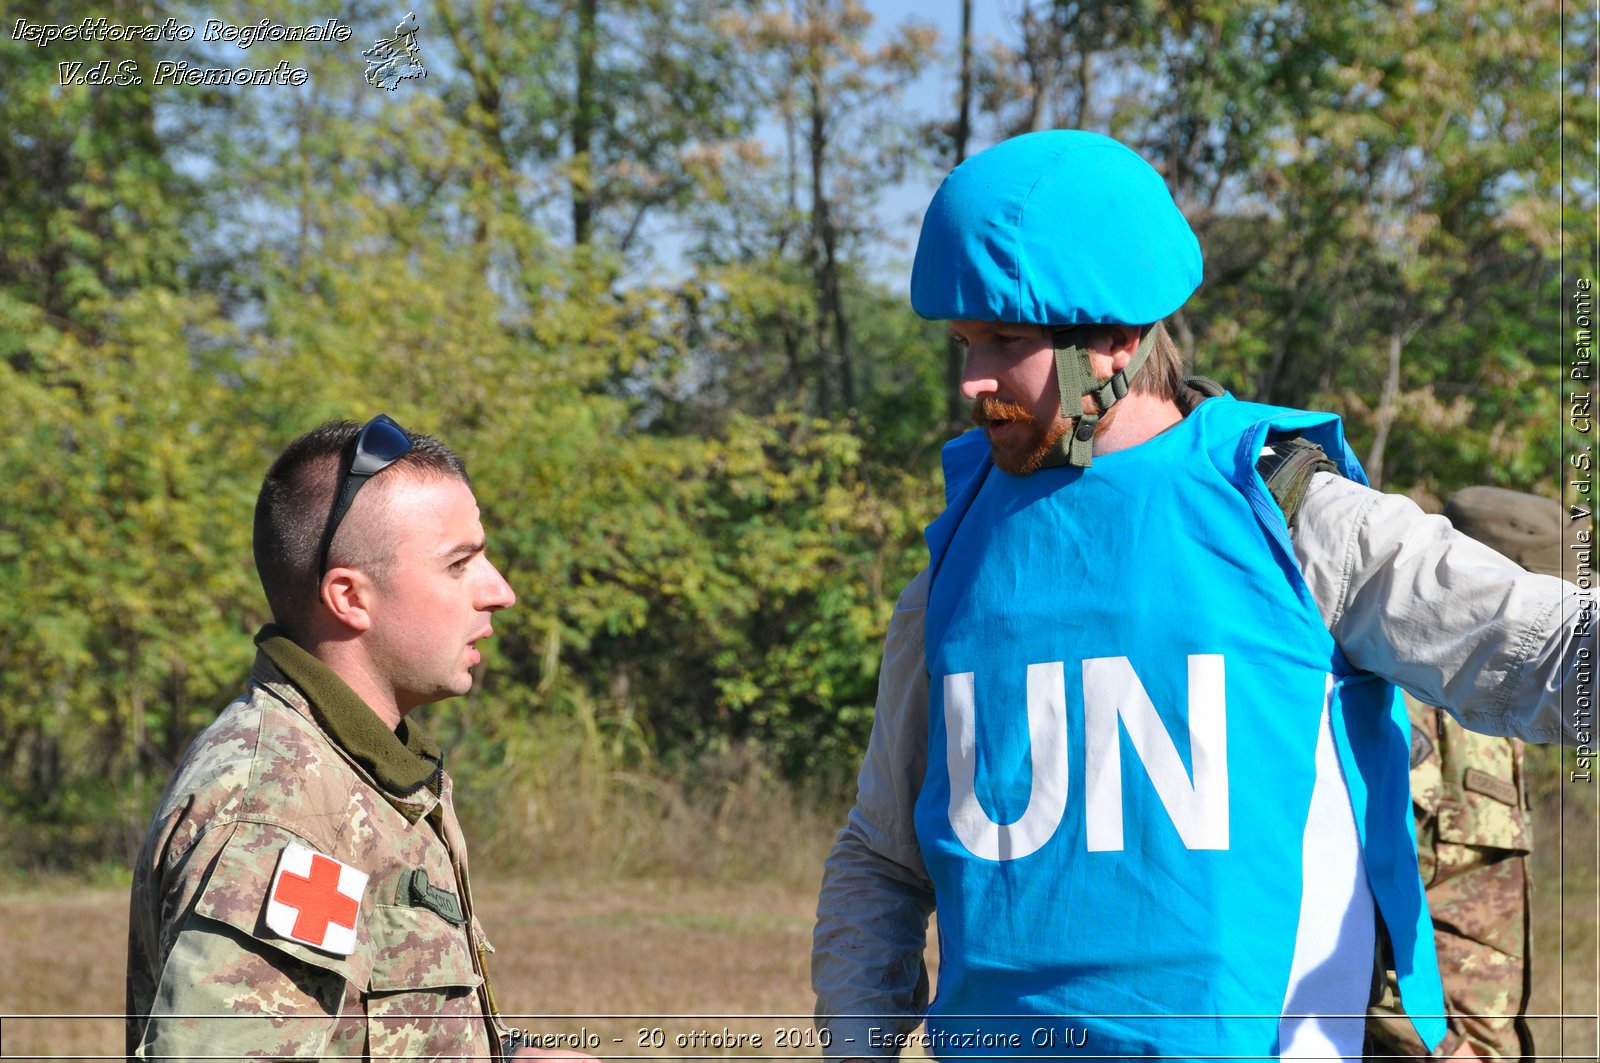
1159,803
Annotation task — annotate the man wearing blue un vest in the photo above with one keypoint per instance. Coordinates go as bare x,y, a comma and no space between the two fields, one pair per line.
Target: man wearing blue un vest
1138,740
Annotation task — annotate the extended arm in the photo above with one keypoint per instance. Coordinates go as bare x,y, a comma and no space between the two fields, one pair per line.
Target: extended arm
1443,616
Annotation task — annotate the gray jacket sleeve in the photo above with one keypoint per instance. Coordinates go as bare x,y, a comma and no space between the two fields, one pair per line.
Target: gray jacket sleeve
872,915
1451,621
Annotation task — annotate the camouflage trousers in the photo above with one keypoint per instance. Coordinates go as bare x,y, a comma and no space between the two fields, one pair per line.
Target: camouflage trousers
1473,838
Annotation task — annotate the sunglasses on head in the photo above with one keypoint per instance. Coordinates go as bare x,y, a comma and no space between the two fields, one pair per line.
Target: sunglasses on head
382,442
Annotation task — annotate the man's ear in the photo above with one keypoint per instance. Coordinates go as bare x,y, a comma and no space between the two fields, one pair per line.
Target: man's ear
1122,343
347,593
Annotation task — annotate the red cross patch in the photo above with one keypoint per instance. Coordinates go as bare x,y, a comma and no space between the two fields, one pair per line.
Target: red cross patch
315,900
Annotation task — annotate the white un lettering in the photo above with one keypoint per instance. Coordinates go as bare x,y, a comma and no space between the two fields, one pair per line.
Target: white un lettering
1111,692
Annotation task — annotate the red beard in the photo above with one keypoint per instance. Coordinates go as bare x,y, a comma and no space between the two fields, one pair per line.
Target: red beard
1028,441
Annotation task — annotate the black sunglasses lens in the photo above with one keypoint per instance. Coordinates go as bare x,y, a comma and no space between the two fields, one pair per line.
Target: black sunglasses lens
381,442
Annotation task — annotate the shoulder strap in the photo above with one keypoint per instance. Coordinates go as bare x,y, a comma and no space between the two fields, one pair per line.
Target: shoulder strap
1195,390
1287,465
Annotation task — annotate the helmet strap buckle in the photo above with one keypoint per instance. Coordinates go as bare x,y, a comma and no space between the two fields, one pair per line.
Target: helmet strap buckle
1076,380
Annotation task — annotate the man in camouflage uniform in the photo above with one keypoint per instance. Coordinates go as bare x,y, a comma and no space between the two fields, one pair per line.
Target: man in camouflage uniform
1473,834
302,891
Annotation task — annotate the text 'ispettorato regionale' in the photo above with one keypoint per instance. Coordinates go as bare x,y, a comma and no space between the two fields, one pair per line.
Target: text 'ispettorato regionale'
170,72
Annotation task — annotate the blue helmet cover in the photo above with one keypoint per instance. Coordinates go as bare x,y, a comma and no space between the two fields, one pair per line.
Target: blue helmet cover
1060,227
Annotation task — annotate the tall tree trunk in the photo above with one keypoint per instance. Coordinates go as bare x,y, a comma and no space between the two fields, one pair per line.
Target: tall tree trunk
177,737
136,735
583,122
1268,378
954,356
841,324
478,57
1085,79
791,328
1039,54
819,217
1385,415
794,355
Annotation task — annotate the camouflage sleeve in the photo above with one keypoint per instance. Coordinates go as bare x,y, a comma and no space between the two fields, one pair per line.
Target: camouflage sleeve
224,995
226,988
1478,888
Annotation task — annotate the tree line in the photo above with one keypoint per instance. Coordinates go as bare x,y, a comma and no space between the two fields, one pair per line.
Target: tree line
626,256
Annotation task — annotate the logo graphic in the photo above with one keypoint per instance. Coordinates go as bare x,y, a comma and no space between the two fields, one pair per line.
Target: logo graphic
395,59
1114,702
315,900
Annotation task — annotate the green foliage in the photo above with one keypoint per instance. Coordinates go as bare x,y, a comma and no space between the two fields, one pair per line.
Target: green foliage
1376,188
707,484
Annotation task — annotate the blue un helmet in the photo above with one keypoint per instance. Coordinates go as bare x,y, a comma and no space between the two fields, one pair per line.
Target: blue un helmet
1058,228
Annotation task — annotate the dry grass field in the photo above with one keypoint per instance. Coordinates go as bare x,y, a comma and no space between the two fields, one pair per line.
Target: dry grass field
654,967
568,953
1566,925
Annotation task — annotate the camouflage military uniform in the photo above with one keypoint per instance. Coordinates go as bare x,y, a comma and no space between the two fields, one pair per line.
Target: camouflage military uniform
300,759
1472,840
1473,834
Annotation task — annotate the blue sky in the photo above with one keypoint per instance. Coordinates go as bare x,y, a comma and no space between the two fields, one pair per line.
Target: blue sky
900,210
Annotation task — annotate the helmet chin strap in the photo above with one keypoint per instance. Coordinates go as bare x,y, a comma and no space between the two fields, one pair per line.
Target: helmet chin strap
1075,378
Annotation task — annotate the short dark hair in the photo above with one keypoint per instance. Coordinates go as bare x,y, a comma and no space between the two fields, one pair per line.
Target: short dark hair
293,506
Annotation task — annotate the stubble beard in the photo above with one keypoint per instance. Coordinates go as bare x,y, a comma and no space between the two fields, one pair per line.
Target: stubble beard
1024,457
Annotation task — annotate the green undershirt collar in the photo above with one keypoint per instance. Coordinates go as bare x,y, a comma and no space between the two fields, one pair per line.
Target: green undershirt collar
402,761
